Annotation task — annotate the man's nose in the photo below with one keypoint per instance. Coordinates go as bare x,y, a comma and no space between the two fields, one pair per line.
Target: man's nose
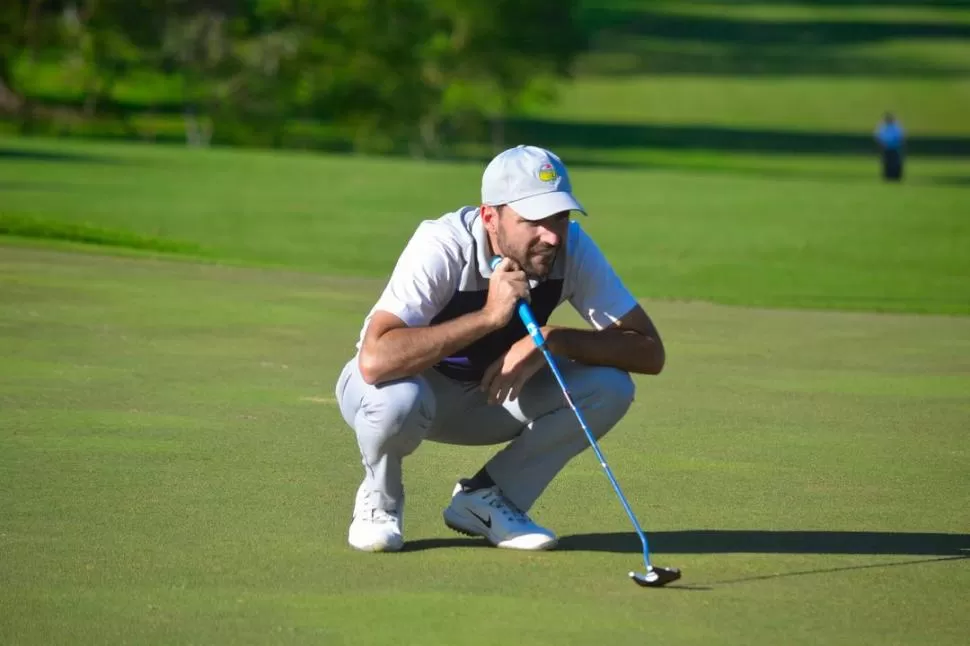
550,236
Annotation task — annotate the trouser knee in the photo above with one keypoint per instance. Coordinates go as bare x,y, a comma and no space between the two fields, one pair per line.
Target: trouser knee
610,393
396,416
393,417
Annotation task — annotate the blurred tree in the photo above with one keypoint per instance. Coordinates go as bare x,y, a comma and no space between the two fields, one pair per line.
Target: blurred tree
492,58
12,36
382,73
415,69
362,68
26,26
197,46
105,40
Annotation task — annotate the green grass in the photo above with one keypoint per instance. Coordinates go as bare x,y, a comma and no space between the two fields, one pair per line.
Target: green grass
34,228
175,470
173,467
788,66
801,66
747,230
926,107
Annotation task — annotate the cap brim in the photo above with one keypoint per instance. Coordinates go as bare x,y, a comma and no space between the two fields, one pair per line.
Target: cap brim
539,207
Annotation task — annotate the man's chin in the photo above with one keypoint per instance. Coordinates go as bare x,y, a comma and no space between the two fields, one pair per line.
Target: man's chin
539,270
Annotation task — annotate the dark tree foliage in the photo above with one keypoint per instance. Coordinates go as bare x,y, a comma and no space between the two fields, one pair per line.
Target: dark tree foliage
380,73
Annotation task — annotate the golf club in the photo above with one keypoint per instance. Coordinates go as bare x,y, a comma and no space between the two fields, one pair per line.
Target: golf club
655,576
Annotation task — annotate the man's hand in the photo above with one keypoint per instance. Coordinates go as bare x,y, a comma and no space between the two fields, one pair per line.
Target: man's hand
507,375
506,286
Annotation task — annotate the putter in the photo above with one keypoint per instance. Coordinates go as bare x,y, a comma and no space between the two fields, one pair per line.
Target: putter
654,577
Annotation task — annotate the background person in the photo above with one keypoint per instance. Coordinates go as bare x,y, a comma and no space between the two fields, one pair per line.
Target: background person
890,136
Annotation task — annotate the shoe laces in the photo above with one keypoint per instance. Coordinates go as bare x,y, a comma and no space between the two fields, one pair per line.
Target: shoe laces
375,514
497,500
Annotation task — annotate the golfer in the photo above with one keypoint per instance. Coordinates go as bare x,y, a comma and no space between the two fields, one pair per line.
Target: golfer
443,357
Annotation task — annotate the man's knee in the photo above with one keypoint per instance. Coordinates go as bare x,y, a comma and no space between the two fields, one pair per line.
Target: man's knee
610,393
399,405
391,417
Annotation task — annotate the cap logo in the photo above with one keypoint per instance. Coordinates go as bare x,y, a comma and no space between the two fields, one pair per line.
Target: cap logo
547,173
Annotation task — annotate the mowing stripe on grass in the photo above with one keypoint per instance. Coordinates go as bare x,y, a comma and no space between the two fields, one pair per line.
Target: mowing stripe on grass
26,226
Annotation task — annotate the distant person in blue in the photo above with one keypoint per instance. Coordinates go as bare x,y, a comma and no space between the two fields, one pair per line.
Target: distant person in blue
890,136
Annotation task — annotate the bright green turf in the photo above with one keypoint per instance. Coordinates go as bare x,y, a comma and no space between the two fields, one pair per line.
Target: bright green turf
173,469
796,103
785,65
740,230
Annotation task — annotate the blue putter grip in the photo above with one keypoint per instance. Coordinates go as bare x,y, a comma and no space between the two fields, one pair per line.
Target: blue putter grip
525,313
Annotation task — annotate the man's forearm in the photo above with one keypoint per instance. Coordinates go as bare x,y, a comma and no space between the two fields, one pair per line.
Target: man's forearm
403,352
624,349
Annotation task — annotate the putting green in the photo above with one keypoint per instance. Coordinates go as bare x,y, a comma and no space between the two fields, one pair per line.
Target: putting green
174,469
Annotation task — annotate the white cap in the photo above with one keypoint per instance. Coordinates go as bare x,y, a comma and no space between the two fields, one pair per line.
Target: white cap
531,180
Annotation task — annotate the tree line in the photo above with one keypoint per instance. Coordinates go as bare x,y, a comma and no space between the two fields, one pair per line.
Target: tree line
380,72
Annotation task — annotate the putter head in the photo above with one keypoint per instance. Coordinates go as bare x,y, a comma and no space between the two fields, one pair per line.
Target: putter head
656,577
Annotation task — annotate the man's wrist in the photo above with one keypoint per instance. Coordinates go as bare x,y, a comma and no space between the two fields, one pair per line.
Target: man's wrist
487,321
553,336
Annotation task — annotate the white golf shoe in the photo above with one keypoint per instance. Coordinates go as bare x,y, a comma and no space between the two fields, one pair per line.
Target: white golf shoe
488,513
375,529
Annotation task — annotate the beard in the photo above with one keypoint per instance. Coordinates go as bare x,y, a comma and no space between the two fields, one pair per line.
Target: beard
541,259
536,261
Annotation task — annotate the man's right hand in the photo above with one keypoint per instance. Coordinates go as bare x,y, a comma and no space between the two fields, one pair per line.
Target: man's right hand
507,285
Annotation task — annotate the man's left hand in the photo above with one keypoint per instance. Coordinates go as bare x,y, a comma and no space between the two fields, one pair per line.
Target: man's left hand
507,375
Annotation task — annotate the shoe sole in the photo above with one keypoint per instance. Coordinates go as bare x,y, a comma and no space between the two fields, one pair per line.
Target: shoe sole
454,526
378,548
465,532
388,546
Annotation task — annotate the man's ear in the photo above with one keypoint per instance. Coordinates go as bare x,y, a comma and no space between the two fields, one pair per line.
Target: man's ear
489,216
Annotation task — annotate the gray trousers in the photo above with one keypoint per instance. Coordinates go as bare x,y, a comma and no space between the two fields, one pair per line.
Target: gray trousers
393,418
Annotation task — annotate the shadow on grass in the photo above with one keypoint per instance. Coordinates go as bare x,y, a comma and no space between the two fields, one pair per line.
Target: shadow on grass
636,41
963,182
711,28
943,4
833,570
948,547
423,544
613,145
562,134
46,187
25,154
716,541
659,58
25,226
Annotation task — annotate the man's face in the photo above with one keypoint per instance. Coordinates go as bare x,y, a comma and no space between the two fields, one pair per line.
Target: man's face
532,244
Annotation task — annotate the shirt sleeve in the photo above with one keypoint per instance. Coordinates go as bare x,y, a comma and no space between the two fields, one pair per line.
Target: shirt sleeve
596,291
424,278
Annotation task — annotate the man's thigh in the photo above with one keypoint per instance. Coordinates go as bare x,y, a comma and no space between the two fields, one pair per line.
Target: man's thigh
465,416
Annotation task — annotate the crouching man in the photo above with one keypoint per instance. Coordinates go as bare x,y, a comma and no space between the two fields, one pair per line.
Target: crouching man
443,357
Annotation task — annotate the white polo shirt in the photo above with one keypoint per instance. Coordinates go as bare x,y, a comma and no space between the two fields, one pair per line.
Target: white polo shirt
443,273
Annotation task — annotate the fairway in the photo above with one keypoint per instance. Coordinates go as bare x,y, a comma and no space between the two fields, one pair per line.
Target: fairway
173,469
777,231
